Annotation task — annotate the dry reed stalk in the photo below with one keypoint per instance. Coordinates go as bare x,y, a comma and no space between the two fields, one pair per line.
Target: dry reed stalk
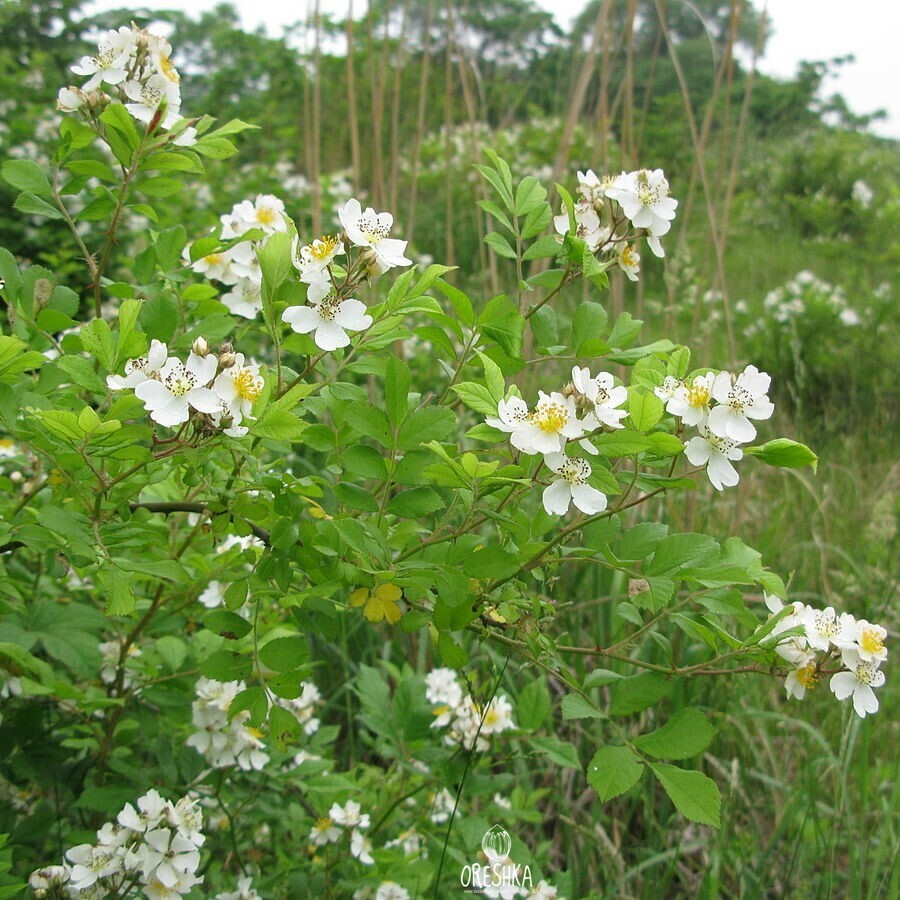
449,255
579,92
699,143
420,123
396,87
376,82
305,125
353,120
315,189
743,118
487,260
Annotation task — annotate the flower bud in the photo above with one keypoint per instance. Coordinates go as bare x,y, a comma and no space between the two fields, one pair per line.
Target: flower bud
200,347
227,356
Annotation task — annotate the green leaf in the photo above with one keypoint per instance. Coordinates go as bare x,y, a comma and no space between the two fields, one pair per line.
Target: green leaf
613,770
371,422
279,426
659,593
599,678
33,205
785,454
14,358
226,665
120,600
284,653
433,423
678,551
494,209
533,705
451,653
215,147
695,796
493,377
97,338
624,331
645,409
574,706
663,444
588,323
499,184
621,443
530,194
476,397
460,302
275,264
543,248
353,496
499,244
631,695
283,725
254,701
686,734
641,540
116,116
160,186
25,175
559,752
415,502
491,562
397,380
172,651
501,322
227,624
159,317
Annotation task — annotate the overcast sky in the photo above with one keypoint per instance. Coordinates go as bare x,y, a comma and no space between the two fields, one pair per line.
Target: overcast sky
803,29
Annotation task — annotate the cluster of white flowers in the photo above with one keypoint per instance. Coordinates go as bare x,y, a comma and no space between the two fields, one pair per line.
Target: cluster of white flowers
221,389
555,421
823,636
224,742
332,313
468,725
153,849
807,294
341,820
641,198
723,425
238,267
135,68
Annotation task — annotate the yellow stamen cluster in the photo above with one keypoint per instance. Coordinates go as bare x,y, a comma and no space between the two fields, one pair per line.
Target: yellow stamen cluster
265,216
698,395
323,247
168,69
628,257
871,639
550,417
247,385
808,676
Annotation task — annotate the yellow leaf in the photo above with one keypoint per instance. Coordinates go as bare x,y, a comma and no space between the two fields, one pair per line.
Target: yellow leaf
359,596
388,592
382,604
